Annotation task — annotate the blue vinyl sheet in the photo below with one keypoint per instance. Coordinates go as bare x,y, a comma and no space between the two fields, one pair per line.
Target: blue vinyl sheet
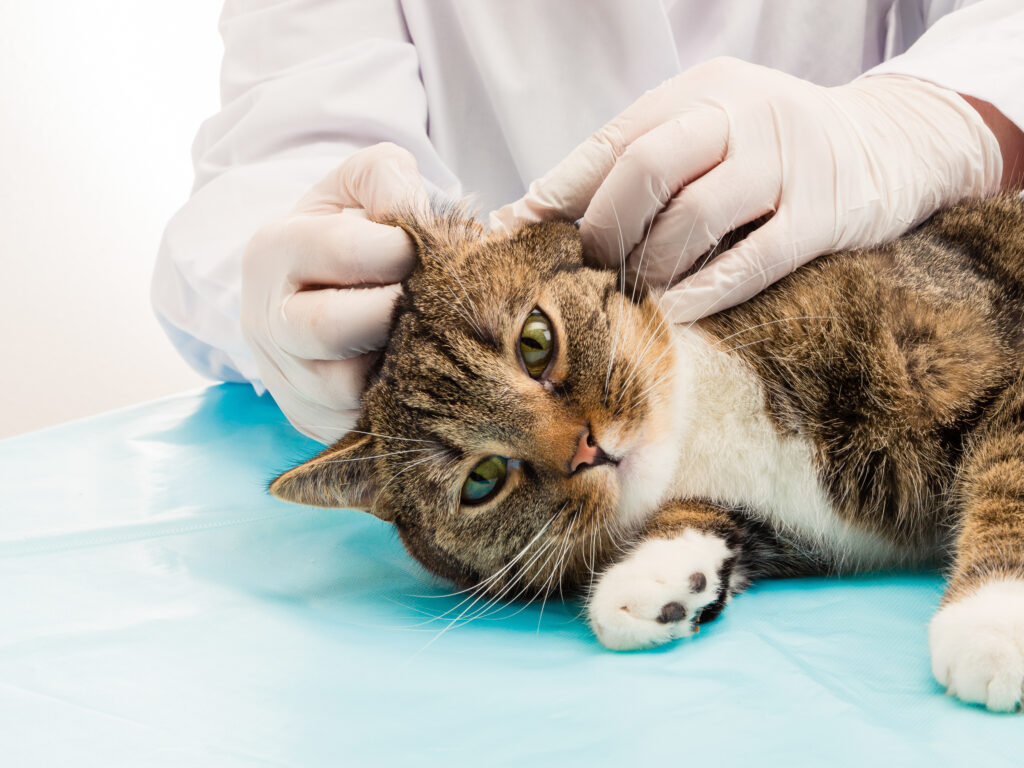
159,609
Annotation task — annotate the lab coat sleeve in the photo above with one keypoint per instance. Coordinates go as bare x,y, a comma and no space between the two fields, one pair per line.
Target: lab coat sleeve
304,84
977,51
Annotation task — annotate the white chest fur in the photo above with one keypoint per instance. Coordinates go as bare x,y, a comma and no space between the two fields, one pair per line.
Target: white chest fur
731,453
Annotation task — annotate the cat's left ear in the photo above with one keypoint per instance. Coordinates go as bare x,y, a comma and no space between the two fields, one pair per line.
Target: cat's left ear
439,231
340,476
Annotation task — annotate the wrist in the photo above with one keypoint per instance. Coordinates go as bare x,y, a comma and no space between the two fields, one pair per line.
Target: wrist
962,154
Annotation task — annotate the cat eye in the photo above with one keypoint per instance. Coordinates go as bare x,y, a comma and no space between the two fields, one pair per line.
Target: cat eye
485,480
536,343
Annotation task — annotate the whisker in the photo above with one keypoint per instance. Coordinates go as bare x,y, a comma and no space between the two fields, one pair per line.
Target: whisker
554,570
712,250
378,456
643,251
622,290
707,257
760,273
484,610
635,361
376,434
494,576
773,322
547,548
454,622
407,467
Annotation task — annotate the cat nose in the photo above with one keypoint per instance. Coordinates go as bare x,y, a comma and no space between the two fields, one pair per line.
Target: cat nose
588,453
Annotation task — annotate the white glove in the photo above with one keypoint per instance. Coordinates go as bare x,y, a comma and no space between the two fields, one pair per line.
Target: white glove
727,142
319,285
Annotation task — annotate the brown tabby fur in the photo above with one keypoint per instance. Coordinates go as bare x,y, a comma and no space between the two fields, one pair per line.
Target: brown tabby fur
900,364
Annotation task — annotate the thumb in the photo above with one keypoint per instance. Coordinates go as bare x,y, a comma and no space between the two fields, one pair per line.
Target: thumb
765,256
564,191
377,178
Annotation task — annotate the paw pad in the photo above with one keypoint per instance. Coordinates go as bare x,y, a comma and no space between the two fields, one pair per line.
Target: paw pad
672,612
656,593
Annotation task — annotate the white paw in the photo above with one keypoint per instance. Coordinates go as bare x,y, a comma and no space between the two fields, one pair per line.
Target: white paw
977,646
657,592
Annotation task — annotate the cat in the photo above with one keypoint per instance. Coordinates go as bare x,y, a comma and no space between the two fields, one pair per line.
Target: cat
535,425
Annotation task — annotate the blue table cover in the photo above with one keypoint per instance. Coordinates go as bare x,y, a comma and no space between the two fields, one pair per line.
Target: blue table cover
159,609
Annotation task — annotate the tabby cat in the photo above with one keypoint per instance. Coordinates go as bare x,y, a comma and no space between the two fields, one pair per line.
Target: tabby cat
534,426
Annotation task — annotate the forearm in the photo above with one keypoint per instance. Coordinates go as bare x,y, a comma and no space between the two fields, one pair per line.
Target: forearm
1010,138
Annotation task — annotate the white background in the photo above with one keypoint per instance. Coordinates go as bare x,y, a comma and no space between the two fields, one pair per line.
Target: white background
99,102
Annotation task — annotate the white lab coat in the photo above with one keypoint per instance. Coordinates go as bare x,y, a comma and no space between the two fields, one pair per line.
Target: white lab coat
490,94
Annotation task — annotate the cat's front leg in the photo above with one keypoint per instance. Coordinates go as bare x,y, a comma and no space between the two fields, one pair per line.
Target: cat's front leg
679,574
977,637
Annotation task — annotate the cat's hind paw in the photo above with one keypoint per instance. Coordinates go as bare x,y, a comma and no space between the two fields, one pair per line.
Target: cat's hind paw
977,646
660,590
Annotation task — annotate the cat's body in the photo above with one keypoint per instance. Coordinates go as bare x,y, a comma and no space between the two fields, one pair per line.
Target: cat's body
536,427
870,372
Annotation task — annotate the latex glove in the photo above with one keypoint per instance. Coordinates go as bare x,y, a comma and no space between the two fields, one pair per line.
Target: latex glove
319,286
727,142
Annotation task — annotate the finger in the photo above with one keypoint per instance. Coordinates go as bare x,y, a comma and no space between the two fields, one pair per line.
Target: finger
324,427
339,384
567,189
330,399
766,255
321,398
379,178
334,323
731,195
564,191
344,249
650,171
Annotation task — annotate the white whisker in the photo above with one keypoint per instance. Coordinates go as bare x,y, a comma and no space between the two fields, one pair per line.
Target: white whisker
378,456
773,322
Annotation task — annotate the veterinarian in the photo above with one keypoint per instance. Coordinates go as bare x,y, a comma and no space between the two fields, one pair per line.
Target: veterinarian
422,97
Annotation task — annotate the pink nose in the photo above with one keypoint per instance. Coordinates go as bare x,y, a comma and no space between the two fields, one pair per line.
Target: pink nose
588,452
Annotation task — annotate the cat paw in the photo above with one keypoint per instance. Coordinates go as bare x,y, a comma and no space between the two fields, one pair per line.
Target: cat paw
977,646
659,591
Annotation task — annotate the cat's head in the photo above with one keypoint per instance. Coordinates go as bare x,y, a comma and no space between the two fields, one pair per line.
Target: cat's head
519,427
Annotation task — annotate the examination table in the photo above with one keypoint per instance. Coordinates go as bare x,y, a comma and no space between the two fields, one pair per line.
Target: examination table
158,608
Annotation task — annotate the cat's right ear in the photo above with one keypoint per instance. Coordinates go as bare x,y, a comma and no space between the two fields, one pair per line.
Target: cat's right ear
340,476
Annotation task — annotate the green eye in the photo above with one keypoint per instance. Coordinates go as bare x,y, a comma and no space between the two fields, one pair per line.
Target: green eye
535,343
485,480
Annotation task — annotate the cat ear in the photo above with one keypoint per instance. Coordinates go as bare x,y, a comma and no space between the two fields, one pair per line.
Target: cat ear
340,476
439,231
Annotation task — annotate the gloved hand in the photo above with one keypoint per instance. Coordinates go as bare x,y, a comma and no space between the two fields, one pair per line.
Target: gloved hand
318,287
727,142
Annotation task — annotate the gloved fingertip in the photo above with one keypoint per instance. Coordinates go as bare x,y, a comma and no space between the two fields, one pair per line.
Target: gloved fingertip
528,209
681,305
501,221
